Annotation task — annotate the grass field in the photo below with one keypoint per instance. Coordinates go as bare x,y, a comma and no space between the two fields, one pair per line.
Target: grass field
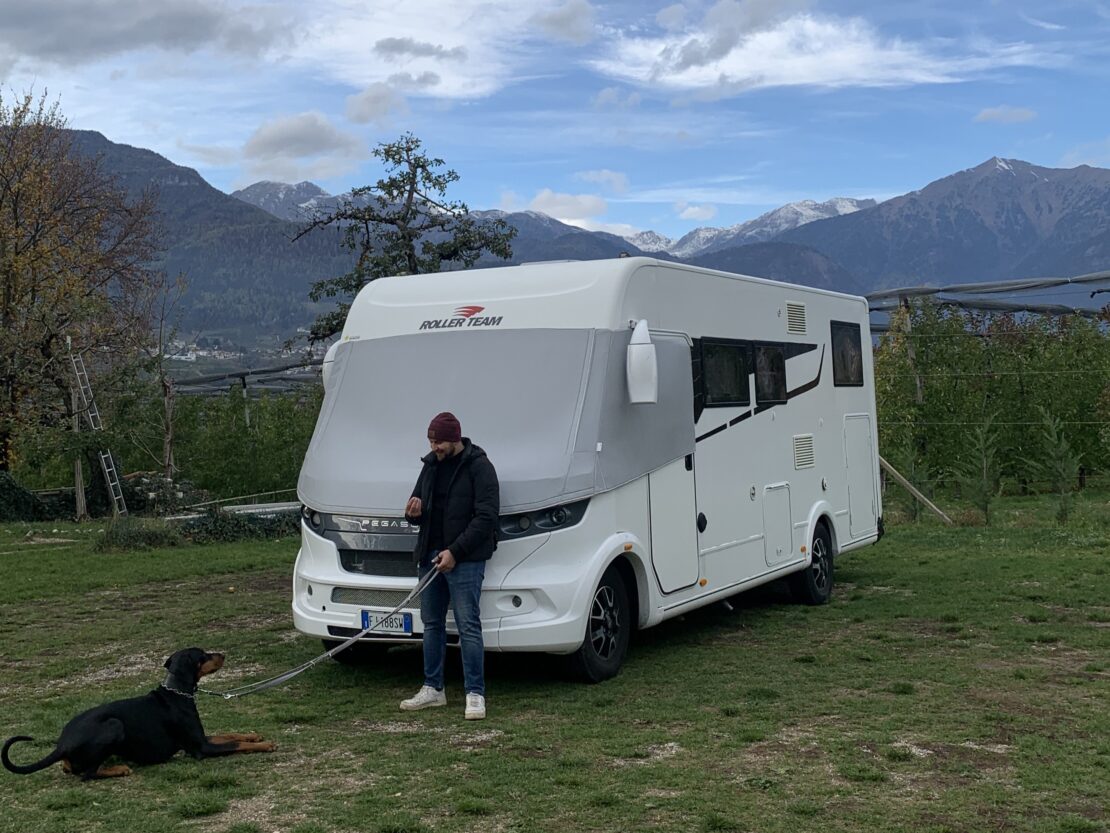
958,681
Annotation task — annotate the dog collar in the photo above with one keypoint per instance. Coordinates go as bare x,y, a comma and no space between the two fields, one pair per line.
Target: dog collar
175,691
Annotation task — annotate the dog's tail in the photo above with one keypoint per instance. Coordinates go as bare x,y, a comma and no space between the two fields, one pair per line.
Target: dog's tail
52,758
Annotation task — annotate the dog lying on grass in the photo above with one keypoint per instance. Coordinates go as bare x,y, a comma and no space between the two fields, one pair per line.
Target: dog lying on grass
145,730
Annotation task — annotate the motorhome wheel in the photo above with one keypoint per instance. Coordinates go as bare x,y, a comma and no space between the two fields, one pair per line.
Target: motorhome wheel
608,630
813,585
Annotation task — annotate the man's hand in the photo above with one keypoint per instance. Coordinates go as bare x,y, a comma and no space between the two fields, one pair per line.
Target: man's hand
445,562
414,507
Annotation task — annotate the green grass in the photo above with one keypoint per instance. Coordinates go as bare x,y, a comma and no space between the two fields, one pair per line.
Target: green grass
958,681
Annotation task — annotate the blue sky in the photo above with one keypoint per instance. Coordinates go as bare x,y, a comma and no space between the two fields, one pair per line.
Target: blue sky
622,116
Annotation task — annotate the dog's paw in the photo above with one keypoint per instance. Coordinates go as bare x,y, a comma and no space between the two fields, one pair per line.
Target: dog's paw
252,737
268,746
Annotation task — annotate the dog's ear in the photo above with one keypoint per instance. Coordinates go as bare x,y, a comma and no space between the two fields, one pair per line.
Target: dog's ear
166,664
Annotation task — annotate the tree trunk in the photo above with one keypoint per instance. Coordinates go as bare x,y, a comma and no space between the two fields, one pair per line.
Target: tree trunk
168,403
80,509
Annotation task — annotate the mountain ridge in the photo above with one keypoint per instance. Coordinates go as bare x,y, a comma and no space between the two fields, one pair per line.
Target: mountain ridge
1001,218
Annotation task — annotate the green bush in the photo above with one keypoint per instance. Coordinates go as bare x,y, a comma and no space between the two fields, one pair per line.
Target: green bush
218,526
129,534
18,504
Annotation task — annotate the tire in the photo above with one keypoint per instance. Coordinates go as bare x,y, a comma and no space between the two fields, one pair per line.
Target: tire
361,653
814,584
608,631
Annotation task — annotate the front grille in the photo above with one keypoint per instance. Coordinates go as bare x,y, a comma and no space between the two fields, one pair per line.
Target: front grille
369,597
395,563
373,597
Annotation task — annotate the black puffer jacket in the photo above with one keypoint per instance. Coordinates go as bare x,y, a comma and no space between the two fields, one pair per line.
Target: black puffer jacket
473,506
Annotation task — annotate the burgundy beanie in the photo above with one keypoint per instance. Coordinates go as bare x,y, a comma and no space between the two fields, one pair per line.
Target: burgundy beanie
445,428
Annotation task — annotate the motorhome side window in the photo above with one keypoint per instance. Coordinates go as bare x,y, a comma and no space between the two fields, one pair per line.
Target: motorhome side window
847,354
770,374
724,367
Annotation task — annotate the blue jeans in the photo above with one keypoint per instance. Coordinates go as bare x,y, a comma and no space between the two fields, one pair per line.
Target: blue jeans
461,587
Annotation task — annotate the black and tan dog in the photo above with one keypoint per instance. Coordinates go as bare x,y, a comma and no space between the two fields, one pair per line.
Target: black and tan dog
145,730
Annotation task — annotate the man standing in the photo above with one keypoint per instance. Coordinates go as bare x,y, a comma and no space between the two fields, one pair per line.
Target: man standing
456,503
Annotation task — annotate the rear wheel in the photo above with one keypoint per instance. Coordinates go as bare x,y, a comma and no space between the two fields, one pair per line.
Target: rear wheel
608,630
361,653
813,585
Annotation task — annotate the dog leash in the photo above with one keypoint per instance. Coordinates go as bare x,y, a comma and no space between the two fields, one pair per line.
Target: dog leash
262,685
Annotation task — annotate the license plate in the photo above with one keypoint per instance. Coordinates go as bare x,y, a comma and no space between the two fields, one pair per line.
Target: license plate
387,623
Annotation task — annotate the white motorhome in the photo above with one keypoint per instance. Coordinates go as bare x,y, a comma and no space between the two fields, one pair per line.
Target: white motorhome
665,436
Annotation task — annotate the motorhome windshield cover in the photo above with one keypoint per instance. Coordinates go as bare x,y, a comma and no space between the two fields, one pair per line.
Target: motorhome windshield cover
549,406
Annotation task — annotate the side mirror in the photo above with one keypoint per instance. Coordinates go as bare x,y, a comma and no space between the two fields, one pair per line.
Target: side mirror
328,364
640,367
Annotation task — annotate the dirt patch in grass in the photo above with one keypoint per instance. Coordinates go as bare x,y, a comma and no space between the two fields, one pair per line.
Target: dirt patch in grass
791,743
471,741
260,810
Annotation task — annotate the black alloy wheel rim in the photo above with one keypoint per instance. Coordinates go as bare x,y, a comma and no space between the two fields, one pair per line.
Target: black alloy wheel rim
605,622
820,564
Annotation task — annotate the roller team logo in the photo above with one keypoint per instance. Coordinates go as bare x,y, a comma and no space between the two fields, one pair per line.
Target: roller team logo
467,316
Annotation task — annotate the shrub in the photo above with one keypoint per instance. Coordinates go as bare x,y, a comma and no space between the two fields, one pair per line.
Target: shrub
18,504
1057,465
978,471
129,534
220,526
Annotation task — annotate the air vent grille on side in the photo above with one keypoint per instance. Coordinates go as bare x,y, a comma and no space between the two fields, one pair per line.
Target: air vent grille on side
795,318
803,451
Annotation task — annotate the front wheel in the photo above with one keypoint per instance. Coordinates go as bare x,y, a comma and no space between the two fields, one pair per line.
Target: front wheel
608,630
813,585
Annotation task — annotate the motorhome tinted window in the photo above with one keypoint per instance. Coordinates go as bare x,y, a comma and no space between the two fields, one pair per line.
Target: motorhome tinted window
696,375
770,374
725,373
847,354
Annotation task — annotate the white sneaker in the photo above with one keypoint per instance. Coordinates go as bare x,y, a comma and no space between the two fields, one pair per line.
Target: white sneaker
475,707
426,698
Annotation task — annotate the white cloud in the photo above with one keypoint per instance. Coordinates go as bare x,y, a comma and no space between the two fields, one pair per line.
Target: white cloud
802,50
619,229
407,81
685,211
510,201
726,23
484,51
375,104
672,18
1041,24
76,32
304,146
569,208
612,98
573,21
410,48
614,180
1005,114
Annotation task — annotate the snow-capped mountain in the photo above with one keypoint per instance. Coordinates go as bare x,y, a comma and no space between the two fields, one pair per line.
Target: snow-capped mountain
763,228
650,241
289,202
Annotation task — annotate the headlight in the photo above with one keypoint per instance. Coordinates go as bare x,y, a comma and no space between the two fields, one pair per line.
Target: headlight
312,518
542,520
